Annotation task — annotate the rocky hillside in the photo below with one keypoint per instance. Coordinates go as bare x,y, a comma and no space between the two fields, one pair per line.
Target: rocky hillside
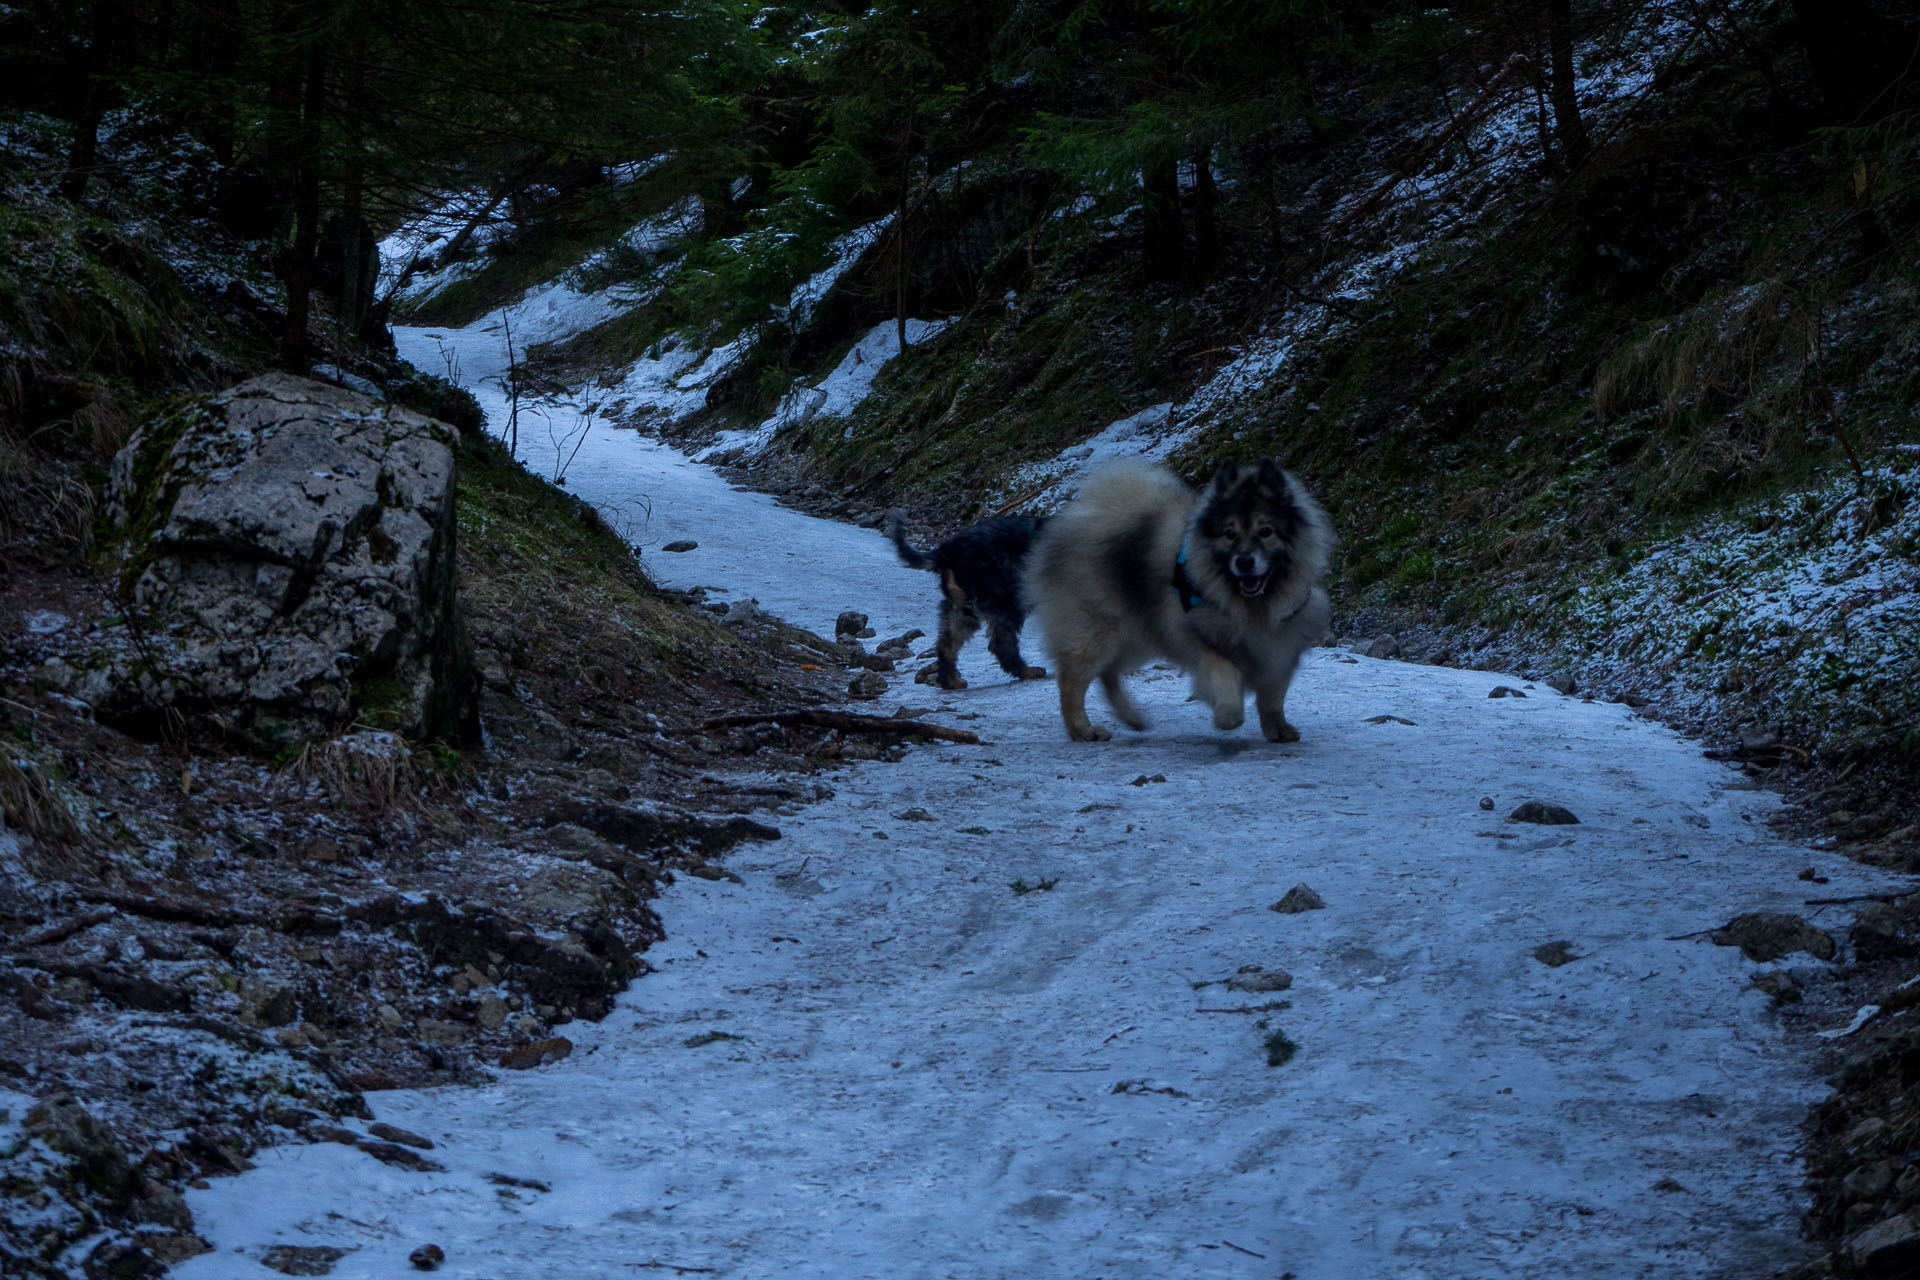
337,751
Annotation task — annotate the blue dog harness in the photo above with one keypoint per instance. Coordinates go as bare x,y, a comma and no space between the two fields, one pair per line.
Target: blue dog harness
1183,585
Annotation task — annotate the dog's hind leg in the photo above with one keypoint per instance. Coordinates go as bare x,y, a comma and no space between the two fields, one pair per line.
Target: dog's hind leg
1117,699
1073,705
957,625
1003,642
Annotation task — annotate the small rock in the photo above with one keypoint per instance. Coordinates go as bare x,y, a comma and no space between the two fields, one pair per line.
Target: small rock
389,1016
1869,1181
1299,899
1669,1186
1384,647
301,1259
491,1013
682,544
849,623
1144,779
175,1249
428,1257
538,1054
915,814
320,849
1555,954
1543,814
405,1137
1562,682
1388,720
1888,931
929,674
1868,1130
401,1158
866,686
119,1260
1486,802
440,1031
1888,1249
1505,691
1781,986
1768,935
1252,978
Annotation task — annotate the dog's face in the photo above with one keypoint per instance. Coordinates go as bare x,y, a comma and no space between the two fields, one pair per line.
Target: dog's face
1248,521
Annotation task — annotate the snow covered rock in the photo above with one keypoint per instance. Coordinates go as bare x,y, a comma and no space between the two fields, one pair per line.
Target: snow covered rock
290,566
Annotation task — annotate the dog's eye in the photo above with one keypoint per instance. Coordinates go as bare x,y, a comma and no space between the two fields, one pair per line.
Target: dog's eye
1264,531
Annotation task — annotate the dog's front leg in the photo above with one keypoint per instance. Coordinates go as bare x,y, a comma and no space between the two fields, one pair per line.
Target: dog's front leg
1278,665
1216,682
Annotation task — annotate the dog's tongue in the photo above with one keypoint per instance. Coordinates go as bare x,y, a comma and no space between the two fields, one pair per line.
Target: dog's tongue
1253,586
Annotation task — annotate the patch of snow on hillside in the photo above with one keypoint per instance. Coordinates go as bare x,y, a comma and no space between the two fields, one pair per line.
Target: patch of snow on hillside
845,252
1820,592
835,396
1150,434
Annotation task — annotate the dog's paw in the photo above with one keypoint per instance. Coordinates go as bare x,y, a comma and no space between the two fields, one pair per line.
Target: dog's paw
1278,730
1229,718
1092,733
957,682
1033,673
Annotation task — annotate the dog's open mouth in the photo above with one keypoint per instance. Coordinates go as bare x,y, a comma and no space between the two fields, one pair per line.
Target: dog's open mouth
1252,584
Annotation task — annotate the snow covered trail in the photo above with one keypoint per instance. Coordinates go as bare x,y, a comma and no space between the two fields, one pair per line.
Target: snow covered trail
879,1057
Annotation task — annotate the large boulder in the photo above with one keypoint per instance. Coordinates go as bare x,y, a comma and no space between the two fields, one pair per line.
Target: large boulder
290,567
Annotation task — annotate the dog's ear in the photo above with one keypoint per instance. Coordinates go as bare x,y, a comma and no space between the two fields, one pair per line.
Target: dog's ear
1271,476
1224,479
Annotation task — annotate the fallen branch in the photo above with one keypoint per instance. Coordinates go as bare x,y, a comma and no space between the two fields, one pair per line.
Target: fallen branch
176,912
1859,897
300,919
61,932
845,722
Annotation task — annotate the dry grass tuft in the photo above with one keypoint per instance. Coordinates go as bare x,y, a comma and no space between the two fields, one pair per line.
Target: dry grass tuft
29,803
370,771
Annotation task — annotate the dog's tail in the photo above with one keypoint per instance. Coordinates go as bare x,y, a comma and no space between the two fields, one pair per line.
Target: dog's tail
897,530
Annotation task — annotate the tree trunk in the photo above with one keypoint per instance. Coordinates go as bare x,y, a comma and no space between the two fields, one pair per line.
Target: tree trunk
1566,104
294,347
1165,242
1857,56
356,238
223,66
97,71
900,262
283,106
1206,230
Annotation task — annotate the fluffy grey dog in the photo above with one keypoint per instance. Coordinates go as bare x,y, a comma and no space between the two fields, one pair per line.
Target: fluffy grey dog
1225,583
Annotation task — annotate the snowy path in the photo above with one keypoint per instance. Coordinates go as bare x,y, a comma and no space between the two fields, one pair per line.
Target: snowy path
875,1059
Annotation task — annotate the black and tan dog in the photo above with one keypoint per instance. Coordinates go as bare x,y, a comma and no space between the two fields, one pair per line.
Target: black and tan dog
979,570
1224,582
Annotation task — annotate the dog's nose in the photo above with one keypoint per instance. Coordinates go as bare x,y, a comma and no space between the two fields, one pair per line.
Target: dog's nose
1243,564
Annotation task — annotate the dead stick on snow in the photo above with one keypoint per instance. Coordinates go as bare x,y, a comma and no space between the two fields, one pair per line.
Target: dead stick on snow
1858,897
845,722
1237,1249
